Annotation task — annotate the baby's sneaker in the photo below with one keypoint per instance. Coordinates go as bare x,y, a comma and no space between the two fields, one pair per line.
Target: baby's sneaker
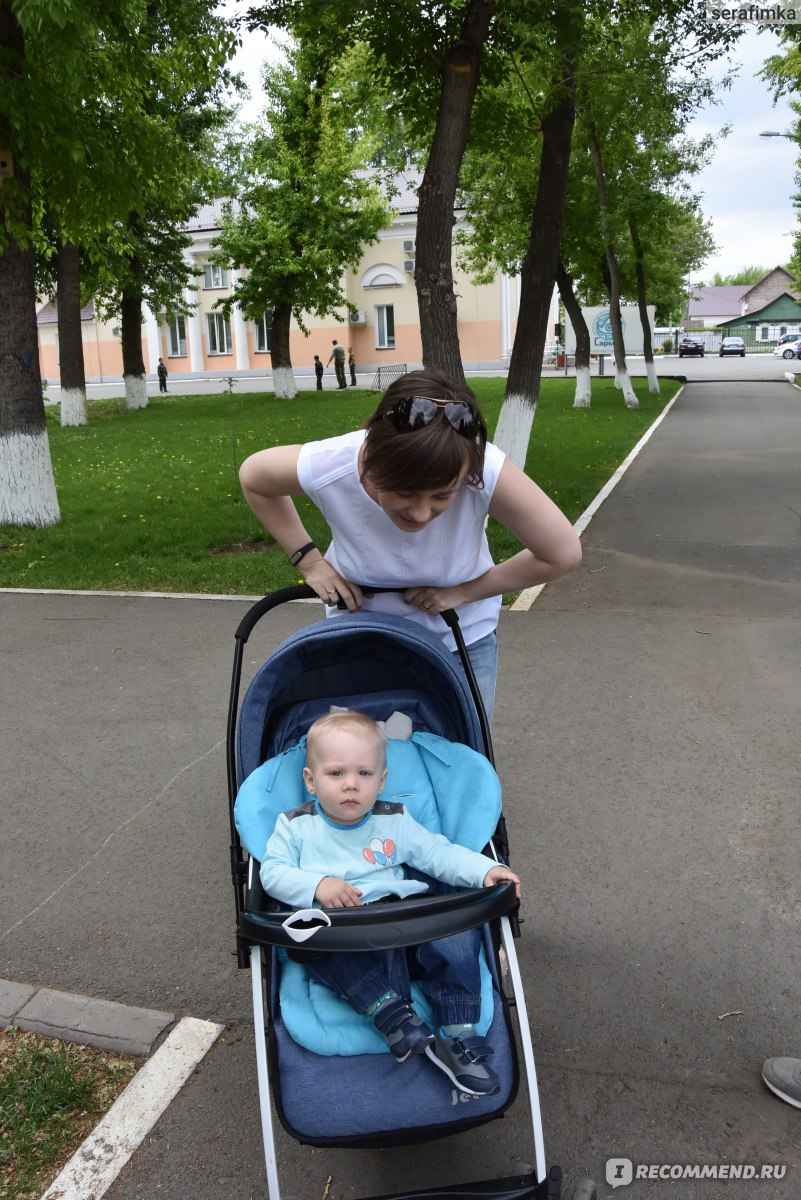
406,1034
462,1058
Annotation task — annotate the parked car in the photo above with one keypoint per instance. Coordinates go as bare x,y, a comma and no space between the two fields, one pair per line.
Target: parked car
732,345
790,349
691,345
788,337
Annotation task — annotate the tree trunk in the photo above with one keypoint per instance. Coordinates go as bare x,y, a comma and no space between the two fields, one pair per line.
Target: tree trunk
133,364
27,487
621,370
283,375
642,301
538,273
70,339
583,396
433,275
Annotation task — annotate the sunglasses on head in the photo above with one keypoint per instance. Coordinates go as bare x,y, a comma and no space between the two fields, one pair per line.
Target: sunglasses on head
415,412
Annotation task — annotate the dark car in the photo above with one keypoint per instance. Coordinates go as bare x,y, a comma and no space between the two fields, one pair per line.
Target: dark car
732,345
691,345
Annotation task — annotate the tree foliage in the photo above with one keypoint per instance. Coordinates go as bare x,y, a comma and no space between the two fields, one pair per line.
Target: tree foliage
306,206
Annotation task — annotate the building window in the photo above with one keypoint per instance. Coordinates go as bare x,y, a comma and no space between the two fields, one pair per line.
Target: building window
214,276
263,331
385,326
176,336
219,333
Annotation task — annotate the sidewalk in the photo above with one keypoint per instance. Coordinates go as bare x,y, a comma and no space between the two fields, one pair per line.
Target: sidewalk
646,734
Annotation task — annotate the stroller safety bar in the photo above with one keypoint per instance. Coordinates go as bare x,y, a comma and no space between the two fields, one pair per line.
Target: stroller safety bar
385,925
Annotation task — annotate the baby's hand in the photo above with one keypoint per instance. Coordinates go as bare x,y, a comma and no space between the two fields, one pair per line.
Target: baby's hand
498,875
336,893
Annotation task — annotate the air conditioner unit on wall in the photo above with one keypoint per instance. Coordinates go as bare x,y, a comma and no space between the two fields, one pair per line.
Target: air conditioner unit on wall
358,318
408,266
408,247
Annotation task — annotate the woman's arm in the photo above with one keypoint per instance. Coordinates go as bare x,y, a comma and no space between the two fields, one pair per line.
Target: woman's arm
269,480
552,546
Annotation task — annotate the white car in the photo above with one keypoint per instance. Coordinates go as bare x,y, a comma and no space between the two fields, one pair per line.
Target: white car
788,350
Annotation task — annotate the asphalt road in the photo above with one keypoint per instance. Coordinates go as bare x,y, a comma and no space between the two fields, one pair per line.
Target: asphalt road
647,738
752,367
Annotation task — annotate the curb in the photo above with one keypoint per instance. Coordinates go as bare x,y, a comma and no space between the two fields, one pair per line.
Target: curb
118,1027
82,1019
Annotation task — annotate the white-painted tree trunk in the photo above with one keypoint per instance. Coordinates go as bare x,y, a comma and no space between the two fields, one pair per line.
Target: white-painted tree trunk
583,398
514,428
653,378
135,391
629,395
73,406
284,383
27,487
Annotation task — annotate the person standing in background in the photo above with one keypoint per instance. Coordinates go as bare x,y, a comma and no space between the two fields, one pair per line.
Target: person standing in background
338,355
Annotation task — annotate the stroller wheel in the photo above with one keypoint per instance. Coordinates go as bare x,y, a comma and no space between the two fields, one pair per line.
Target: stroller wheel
585,1189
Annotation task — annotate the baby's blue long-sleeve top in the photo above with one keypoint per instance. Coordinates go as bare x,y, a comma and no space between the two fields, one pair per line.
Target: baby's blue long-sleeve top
306,846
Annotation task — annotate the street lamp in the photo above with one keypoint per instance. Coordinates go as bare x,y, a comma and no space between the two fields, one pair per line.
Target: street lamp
775,133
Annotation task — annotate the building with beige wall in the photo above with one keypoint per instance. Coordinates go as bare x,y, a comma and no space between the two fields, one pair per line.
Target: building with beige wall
383,331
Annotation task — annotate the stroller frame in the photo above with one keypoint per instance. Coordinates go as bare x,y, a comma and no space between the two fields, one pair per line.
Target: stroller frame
393,924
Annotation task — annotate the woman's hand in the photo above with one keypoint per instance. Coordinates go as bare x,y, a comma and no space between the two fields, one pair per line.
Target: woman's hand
499,875
437,599
336,893
329,585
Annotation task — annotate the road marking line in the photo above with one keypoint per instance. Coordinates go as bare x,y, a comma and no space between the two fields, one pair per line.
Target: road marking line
527,598
98,1161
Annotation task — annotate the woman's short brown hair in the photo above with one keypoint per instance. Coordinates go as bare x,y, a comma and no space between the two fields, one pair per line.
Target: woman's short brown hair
418,460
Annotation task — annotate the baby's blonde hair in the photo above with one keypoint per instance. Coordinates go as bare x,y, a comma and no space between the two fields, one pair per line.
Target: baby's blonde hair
350,721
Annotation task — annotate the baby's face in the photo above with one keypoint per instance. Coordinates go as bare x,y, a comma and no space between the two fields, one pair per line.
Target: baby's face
346,774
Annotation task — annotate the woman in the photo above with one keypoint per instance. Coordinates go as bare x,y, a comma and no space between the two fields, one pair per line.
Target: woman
406,499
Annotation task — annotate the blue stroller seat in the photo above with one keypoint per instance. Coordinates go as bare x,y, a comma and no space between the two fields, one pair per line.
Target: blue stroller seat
450,789
378,665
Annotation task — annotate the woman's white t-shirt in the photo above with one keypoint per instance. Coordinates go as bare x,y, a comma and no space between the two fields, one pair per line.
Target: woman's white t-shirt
367,548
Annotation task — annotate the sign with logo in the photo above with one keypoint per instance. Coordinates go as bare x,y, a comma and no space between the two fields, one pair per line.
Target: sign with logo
599,324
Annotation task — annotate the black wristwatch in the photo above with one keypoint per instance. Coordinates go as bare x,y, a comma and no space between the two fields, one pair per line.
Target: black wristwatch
299,554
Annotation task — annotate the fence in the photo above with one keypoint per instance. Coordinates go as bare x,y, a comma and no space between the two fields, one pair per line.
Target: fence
758,340
384,376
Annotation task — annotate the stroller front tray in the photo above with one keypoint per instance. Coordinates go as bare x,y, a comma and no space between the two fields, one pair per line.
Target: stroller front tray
383,925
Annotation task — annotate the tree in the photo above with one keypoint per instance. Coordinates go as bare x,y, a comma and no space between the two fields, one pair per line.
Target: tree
70,337
746,275
181,48
74,79
306,207
428,58
27,485
782,72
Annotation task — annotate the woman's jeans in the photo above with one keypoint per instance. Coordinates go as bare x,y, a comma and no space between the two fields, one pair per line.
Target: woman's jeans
483,656
447,970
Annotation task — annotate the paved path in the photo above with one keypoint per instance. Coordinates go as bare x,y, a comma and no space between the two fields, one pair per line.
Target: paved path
647,737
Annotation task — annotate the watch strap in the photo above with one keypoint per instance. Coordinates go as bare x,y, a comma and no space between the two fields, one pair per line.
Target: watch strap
301,553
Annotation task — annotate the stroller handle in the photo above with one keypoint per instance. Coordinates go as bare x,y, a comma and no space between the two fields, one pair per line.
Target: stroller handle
302,591
386,925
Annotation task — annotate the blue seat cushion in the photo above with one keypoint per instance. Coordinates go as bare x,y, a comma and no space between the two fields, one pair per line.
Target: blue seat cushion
447,787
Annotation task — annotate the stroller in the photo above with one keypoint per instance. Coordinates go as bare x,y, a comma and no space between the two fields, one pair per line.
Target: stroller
311,1046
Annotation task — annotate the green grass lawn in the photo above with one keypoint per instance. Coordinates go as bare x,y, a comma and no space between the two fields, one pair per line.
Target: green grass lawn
51,1095
150,499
